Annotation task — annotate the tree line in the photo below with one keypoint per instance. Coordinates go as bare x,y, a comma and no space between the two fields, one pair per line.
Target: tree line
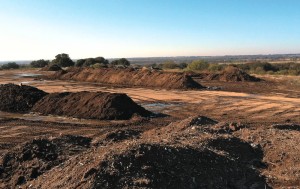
64,60
256,67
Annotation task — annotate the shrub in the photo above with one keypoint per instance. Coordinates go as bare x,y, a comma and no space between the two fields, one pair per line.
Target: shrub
198,65
120,62
293,72
99,65
182,65
216,67
169,65
39,63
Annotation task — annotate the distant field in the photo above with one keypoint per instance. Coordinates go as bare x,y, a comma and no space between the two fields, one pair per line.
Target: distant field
283,61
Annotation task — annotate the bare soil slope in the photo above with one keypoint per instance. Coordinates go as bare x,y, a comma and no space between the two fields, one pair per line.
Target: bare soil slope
90,105
129,77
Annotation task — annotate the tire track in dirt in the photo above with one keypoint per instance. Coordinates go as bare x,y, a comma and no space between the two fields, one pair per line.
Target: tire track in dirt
189,102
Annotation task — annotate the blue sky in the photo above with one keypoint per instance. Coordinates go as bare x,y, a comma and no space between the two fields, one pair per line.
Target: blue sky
35,29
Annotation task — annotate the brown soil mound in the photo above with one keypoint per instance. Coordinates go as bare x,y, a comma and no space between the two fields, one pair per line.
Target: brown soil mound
175,156
120,135
32,159
90,105
232,74
163,166
15,98
53,67
239,150
215,162
129,78
200,122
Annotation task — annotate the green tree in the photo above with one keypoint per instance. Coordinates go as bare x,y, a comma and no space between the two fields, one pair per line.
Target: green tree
63,60
101,60
10,65
121,62
89,62
79,62
198,65
39,63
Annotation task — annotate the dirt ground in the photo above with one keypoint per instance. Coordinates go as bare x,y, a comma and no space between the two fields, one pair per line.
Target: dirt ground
258,114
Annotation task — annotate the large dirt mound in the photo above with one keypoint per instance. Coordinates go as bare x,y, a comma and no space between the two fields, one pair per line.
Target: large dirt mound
163,166
90,105
129,78
32,159
232,74
180,155
15,98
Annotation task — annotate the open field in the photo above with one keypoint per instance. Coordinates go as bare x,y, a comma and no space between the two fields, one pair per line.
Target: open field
262,117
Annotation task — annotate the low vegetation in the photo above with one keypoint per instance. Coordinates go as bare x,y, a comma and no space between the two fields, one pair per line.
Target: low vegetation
120,62
91,62
39,63
254,67
267,68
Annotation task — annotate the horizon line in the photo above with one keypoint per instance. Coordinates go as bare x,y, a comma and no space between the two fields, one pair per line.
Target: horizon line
167,56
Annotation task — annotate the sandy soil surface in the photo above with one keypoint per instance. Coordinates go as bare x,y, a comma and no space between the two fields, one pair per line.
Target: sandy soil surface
279,104
261,115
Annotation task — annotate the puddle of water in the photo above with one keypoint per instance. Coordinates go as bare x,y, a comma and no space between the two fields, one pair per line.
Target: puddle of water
53,118
37,117
158,104
27,75
33,82
26,82
161,106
